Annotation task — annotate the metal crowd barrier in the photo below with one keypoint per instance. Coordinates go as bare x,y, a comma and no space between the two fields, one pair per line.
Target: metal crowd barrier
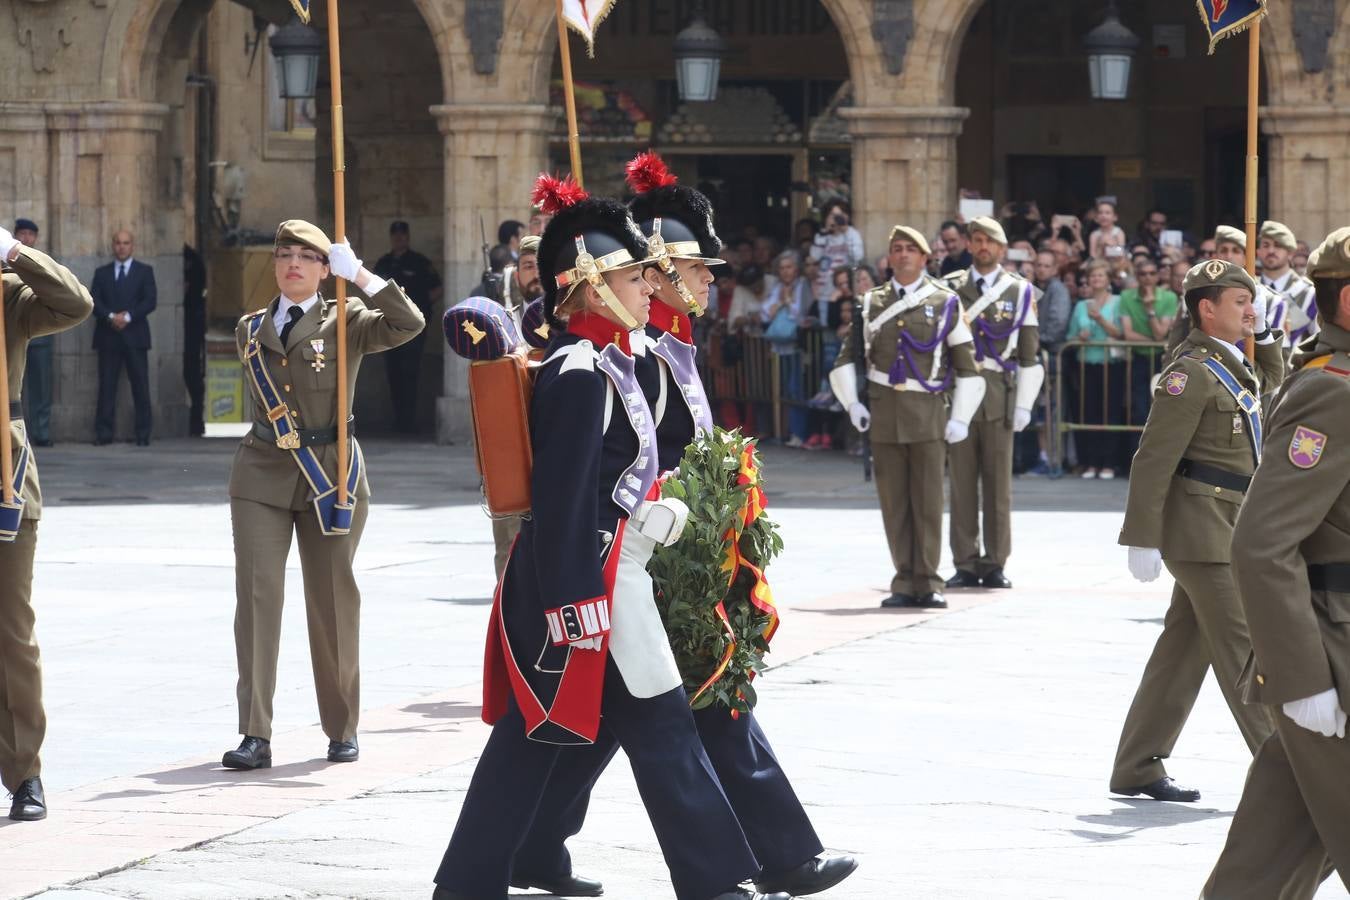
1066,398
758,379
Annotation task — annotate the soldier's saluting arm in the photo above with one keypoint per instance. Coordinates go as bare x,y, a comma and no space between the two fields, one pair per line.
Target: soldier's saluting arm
41,296
1270,364
1301,483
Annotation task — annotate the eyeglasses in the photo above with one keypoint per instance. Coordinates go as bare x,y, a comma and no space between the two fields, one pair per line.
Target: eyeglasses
307,256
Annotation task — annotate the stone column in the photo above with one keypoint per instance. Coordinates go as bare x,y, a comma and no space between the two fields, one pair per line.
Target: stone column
83,169
1309,156
904,168
492,154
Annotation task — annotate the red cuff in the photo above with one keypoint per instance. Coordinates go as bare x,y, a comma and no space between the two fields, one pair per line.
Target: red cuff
578,621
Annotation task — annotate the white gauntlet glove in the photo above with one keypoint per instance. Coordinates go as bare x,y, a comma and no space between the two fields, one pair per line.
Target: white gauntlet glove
343,262
1145,563
1021,419
662,520
1321,713
1259,310
956,431
860,417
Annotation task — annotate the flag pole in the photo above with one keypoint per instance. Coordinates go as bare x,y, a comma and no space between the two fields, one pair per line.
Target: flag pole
569,96
339,234
1253,90
6,443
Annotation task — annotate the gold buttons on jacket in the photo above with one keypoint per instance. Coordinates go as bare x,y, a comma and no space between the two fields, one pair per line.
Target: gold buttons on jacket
285,361
1217,489
288,388
1260,679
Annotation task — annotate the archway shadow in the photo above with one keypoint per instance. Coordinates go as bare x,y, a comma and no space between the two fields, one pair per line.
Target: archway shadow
209,775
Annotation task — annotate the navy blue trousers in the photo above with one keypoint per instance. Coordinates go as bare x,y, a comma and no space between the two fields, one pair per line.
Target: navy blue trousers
701,841
771,816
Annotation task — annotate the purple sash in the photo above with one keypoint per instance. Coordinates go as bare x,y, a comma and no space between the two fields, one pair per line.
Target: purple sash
908,347
989,336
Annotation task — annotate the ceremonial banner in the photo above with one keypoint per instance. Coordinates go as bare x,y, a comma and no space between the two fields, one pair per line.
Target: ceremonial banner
301,9
1224,17
583,16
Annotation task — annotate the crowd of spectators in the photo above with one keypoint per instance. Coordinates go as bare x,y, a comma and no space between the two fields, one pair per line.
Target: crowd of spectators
1098,283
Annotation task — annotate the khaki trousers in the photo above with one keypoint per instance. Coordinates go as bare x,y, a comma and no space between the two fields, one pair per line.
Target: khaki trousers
262,540
909,486
23,722
1204,626
1292,825
981,470
504,531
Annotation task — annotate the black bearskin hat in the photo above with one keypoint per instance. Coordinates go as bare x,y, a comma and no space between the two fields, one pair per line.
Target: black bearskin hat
685,213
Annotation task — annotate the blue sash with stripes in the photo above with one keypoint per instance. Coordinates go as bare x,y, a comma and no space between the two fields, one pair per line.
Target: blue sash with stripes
333,518
1246,401
11,514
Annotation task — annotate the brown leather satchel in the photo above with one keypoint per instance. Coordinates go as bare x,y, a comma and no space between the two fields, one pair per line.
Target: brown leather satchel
499,395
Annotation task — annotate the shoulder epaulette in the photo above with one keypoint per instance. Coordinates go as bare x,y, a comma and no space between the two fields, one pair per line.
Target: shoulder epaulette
1324,363
957,278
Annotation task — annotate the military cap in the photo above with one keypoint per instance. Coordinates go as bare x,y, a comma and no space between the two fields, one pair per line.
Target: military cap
1279,233
990,227
480,329
1331,259
1217,273
25,225
685,215
910,234
1231,235
529,244
298,231
398,226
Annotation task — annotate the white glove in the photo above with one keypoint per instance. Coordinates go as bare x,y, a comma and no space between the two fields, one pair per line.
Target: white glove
590,643
860,416
7,244
1321,713
343,262
956,431
1259,308
662,520
1145,563
1021,419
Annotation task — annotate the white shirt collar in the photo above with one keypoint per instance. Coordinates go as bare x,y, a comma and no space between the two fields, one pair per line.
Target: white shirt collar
989,280
1232,350
909,290
1279,285
284,307
124,264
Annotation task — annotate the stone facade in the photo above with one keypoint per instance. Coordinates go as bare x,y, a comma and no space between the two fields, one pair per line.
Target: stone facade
447,120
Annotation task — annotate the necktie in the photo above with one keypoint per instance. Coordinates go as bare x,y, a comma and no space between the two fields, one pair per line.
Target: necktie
293,315
121,270
979,285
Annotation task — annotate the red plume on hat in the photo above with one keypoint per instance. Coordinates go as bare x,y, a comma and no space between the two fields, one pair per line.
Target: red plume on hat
647,172
553,194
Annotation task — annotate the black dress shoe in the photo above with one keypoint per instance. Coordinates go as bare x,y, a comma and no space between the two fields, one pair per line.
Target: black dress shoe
963,579
344,751
747,894
996,579
570,885
898,601
1163,789
811,877
932,600
253,753
30,804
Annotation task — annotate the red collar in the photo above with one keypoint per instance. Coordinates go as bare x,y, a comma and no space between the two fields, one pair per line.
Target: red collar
599,331
672,321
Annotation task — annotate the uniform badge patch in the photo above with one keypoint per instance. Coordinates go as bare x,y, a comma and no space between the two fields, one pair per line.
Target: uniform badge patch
1175,383
1306,446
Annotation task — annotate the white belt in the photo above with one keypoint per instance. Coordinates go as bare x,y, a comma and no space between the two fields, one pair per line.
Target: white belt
876,376
991,365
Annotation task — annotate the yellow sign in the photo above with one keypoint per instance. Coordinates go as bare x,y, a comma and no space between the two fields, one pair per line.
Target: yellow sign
1126,168
224,389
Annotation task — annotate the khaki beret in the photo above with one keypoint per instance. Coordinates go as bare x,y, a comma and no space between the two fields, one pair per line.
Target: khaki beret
1217,273
529,244
910,234
988,226
1331,259
1278,233
298,231
1231,235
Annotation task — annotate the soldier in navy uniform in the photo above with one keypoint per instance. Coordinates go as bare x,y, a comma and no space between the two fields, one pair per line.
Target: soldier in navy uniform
574,631
677,223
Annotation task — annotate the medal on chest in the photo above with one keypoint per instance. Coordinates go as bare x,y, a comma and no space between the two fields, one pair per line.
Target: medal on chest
1237,423
319,361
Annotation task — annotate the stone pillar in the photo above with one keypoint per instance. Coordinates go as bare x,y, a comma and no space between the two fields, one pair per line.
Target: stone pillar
492,154
904,168
83,169
1309,156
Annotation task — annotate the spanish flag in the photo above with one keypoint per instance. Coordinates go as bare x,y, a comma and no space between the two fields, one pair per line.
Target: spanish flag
1224,17
583,17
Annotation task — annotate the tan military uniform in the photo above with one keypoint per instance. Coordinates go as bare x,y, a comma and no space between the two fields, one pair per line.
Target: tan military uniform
1190,517
270,499
981,465
41,297
907,427
1290,552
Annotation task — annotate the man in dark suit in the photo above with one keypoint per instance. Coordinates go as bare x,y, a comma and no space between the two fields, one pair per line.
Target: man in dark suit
124,297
